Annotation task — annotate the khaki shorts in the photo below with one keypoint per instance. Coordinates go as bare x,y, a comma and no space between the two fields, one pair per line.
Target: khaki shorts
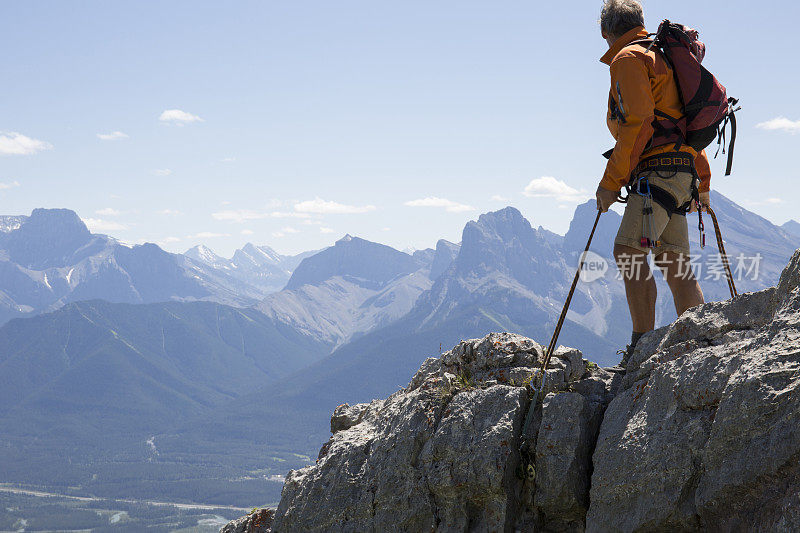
672,231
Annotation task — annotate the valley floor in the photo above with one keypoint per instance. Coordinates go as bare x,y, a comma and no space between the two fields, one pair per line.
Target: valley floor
35,509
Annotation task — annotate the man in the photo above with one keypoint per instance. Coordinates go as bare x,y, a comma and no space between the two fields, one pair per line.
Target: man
644,105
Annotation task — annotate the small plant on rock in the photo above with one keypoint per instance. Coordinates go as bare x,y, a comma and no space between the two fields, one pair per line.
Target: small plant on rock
465,380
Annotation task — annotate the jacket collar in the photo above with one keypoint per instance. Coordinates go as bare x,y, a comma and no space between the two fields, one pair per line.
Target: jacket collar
636,33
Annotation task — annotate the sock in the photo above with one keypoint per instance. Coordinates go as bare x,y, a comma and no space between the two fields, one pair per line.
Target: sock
635,336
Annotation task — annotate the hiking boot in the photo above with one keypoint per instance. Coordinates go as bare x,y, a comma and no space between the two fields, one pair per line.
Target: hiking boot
626,355
621,367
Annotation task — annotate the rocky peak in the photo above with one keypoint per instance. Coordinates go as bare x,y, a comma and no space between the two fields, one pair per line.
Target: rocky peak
259,255
699,434
203,254
581,225
355,258
444,255
504,241
46,239
792,227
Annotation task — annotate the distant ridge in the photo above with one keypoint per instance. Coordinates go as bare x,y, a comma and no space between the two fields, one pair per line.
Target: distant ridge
792,227
50,258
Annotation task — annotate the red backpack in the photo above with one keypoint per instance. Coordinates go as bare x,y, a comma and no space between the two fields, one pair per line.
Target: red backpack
707,110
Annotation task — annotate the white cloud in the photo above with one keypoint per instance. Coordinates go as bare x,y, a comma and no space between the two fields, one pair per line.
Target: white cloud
98,224
278,234
9,185
227,160
498,198
167,240
766,201
108,212
780,123
324,207
434,201
550,187
323,229
207,235
289,229
162,172
285,214
13,143
113,136
247,232
172,212
243,215
239,215
178,116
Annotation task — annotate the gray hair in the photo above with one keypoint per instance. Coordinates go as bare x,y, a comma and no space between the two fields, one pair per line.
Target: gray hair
618,17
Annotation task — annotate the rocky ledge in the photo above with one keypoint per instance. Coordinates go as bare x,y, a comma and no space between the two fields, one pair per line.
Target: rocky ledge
701,433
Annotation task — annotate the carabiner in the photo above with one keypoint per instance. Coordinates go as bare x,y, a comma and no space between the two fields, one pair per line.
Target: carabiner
700,225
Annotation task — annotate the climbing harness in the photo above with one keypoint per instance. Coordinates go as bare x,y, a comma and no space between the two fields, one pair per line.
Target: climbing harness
723,255
664,166
648,239
552,346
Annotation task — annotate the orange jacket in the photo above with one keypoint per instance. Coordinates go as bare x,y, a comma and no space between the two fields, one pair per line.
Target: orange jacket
641,82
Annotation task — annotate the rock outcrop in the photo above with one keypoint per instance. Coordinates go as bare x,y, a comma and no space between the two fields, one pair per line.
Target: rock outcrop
704,431
699,434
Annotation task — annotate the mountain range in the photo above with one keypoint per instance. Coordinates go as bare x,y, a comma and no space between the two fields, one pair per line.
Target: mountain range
507,276
259,266
50,258
179,369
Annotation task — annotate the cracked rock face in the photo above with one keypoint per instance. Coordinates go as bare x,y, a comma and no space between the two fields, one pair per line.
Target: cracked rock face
444,454
703,434
700,434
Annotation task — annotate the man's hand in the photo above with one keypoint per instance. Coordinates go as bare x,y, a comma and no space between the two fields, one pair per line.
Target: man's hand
605,198
705,201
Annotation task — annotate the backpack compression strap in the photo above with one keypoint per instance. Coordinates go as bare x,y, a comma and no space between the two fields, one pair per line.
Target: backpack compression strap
730,117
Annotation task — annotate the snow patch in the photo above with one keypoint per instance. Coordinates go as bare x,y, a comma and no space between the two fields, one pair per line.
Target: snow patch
151,442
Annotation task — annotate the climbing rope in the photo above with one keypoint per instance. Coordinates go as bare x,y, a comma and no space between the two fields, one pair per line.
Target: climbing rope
721,248
552,346
526,469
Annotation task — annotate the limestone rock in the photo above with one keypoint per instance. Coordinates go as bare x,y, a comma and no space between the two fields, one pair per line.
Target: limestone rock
444,453
346,416
701,433
564,447
259,521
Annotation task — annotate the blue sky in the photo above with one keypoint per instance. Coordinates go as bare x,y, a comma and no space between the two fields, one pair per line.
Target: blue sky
292,123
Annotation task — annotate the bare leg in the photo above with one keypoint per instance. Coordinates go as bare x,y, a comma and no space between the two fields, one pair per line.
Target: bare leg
685,289
640,287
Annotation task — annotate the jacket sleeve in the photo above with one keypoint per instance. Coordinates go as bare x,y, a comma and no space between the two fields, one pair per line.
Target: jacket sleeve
630,89
703,171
